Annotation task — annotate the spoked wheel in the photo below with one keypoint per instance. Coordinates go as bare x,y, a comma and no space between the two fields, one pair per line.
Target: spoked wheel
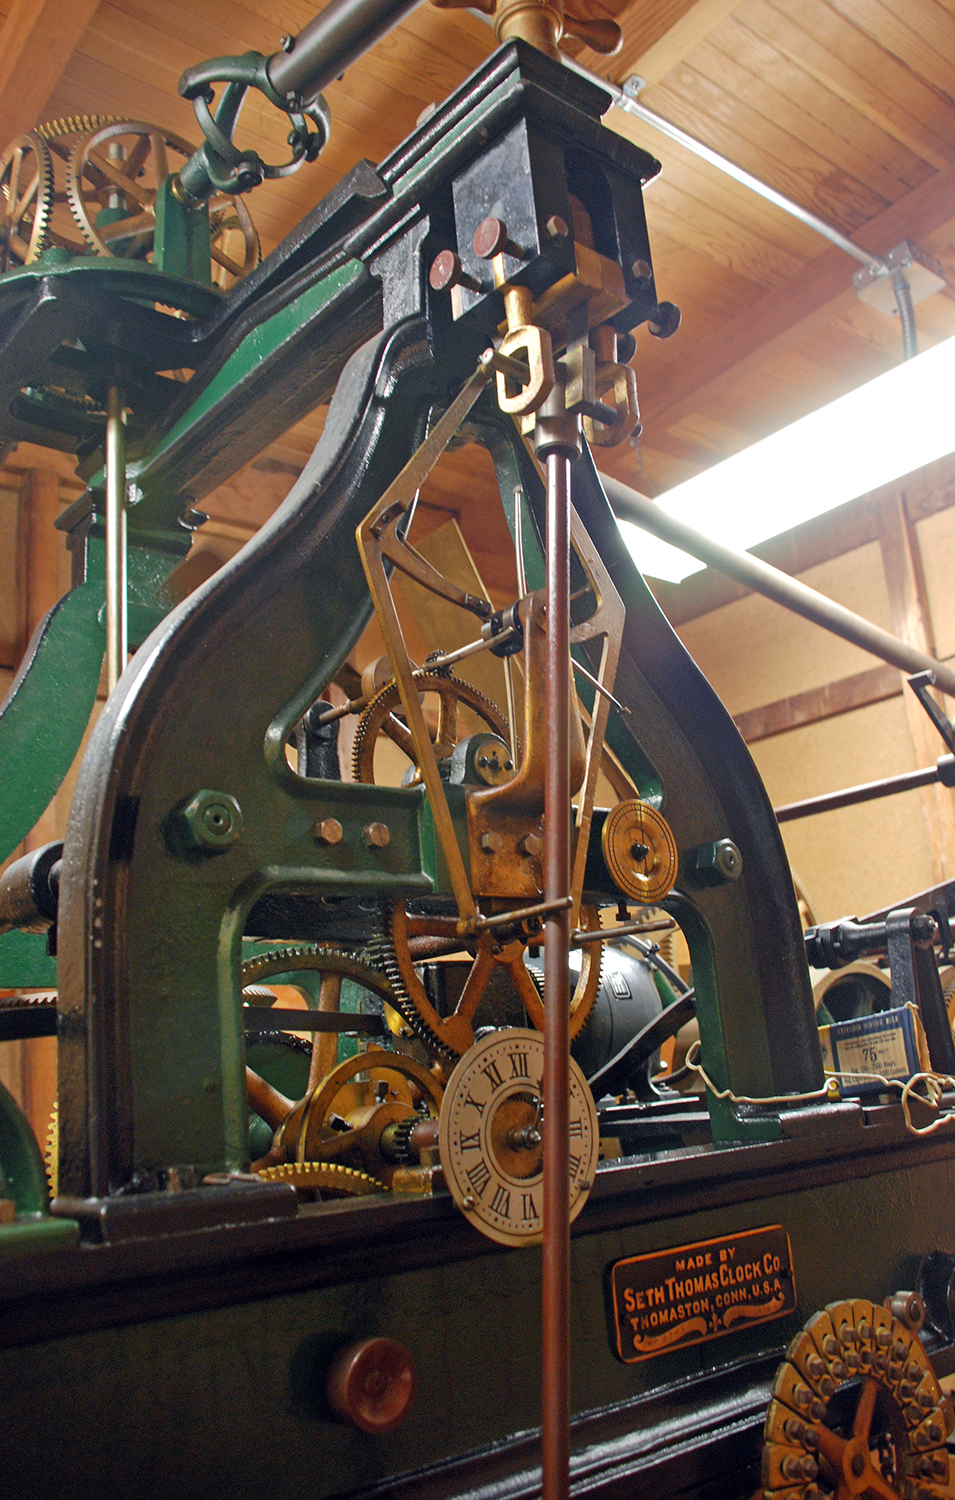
26,198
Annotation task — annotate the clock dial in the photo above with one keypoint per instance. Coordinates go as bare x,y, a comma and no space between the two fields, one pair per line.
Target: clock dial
490,1136
639,851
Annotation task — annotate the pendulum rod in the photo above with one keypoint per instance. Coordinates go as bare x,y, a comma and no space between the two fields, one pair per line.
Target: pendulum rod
116,607
555,1381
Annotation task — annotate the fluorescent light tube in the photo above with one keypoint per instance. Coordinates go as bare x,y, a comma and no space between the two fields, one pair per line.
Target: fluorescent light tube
884,429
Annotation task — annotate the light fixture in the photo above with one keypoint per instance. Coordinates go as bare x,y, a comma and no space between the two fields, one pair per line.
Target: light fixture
879,432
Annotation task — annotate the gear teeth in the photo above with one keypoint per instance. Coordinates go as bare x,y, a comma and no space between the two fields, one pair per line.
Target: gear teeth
50,130
51,1157
390,697
400,999
42,199
326,1176
312,956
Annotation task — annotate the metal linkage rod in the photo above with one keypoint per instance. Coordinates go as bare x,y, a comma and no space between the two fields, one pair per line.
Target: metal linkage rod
625,98
869,791
762,578
116,608
330,43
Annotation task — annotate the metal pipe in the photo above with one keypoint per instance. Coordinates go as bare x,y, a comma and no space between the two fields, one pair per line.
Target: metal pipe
116,616
625,98
869,791
555,1343
327,45
762,578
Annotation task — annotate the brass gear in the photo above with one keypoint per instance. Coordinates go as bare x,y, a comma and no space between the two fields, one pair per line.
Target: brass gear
342,1119
806,1459
92,178
452,1035
309,957
380,718
51,1157
26,198
52,130
329,1177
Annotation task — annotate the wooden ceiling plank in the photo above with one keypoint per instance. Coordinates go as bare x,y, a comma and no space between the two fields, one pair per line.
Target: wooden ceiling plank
717,235
886,77
684,169
773,82
815,296
728,125
849,77
37,40
929,57
658,37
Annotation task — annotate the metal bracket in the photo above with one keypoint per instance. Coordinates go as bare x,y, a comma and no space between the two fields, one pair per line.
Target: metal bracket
920,684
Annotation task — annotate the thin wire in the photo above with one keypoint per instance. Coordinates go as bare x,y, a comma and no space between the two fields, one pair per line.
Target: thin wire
935,1086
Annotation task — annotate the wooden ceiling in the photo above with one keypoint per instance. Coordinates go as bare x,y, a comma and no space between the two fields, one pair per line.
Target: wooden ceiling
846,106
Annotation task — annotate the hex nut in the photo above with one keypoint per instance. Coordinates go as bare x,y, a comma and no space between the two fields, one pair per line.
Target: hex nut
376,835
492,843
210,822
328,831
530,845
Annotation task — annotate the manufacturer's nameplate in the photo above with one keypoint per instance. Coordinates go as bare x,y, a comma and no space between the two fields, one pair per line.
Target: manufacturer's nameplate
692,1293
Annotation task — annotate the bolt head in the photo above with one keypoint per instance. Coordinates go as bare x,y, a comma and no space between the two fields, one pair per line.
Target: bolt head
286,42
490,237
642,270
492,843
557,227
445,270
376,835
210,821
328,831
530,845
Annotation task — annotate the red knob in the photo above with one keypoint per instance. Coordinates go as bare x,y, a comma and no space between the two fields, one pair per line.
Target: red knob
371,1383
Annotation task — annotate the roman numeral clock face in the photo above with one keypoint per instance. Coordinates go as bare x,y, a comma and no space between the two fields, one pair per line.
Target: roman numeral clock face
490,1136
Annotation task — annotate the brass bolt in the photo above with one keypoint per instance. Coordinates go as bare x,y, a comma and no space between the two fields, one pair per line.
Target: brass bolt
530,845
376,835
328,831
492,843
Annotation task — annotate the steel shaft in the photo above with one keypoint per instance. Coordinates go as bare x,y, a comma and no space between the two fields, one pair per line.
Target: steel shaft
762,578
330,43
116,608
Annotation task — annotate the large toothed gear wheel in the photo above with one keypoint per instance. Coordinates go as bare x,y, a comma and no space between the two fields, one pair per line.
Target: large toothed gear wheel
856,1410
329,1178
26,198
332,963
382,718
452,1035
112,179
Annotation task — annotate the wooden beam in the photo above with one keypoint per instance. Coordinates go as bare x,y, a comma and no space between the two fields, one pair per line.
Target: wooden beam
818,703
37,40
780,319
